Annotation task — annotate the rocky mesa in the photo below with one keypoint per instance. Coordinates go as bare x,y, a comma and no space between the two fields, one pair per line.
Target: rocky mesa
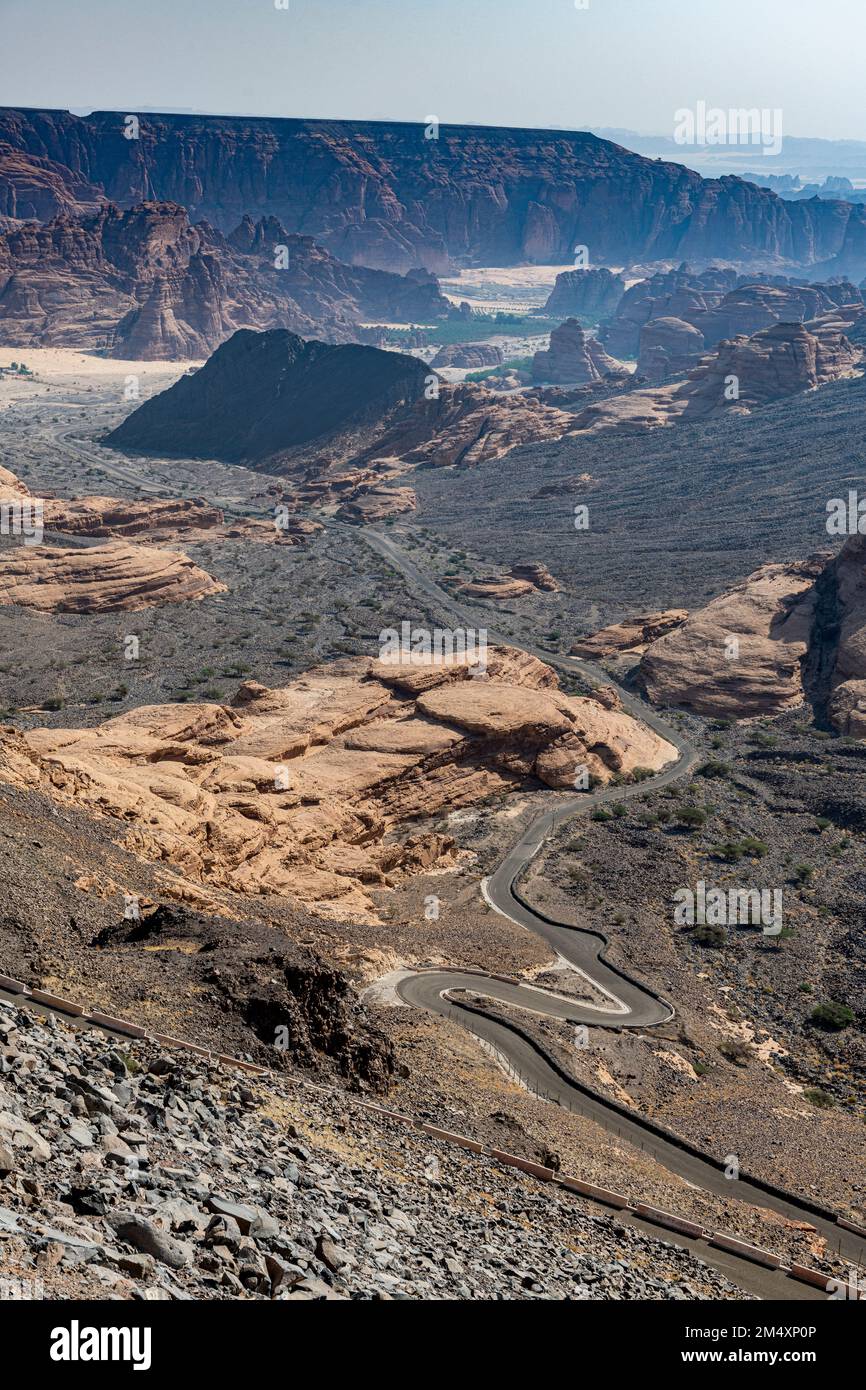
319,791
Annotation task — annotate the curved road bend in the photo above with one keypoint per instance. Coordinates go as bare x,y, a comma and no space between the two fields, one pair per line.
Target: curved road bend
629,1004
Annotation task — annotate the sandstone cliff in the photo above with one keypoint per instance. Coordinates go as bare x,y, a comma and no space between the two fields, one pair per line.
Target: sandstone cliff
100,579
320,790
741,655
573,357
380,194
147,284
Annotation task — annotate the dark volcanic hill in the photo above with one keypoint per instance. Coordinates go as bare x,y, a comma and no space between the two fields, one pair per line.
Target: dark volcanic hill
263,393
381,194
145,283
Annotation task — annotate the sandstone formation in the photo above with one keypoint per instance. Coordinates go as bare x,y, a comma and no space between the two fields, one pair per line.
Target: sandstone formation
668,347
741,655
378,194
740,375
120,516
146,284
468,425
668,294
521,580
592,294
750,308
35,188
573,356
846,576
100,579
471,356
631,637
263,393
11,488
317,790
342,422
717,304
777,362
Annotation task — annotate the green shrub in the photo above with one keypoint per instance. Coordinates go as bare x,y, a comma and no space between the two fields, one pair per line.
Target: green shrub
820,1099
831,1016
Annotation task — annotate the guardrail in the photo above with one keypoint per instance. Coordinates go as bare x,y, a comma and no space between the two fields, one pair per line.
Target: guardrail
670,1221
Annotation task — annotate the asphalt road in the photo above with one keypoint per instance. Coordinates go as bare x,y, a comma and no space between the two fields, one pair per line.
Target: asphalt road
630,1004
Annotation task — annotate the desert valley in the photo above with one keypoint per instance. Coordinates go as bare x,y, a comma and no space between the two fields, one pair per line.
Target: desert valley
432,718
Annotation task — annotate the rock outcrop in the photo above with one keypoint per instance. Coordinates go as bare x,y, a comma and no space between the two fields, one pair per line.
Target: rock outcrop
741,655
592,294
631,637
741,375
846,576
668,347
146,284
11,488
261,394
316,790
777,362
573,357
101,578
379,194
520,581
105,517
343,422
678,294
468,356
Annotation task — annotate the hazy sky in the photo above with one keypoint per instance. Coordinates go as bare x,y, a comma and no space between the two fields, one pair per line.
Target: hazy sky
628,63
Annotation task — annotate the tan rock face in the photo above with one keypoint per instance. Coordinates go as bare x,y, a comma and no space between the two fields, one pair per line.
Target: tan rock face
101,579
740,656
522,580
11,487
469,425
777,362
319,790
631,636
117,516
668,346
573,356
848,700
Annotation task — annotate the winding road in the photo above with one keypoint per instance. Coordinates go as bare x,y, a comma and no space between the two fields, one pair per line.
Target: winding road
629,1003
626,1002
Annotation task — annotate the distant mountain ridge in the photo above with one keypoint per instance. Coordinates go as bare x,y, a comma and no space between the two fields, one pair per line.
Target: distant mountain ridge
383,195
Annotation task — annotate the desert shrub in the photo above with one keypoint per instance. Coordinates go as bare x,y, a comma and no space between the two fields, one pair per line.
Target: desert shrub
756,849
831,1016
707,935
820,1099
734,1051
730,851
